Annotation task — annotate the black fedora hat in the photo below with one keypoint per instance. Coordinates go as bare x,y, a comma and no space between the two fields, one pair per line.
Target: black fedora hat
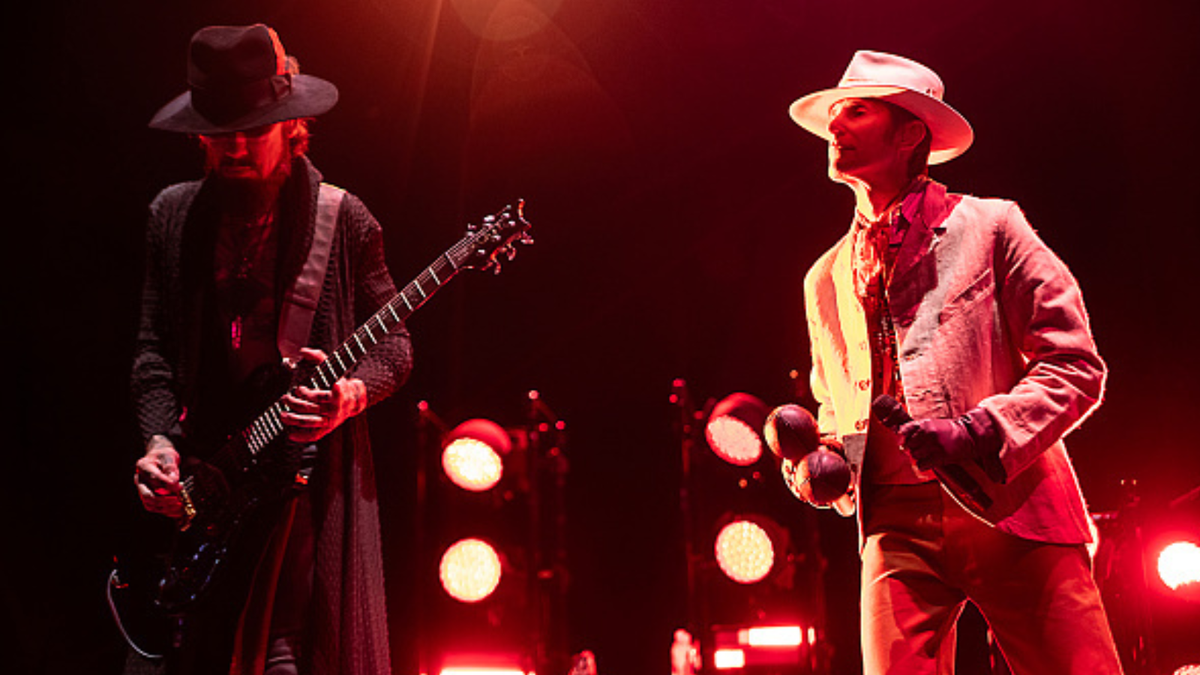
238,79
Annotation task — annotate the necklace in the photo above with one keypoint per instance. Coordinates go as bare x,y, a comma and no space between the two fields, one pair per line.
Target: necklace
242,254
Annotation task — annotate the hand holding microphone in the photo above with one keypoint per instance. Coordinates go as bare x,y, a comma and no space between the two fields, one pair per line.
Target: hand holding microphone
931,443
943,445
822,475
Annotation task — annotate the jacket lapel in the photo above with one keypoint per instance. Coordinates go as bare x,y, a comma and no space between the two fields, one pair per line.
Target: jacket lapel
919,241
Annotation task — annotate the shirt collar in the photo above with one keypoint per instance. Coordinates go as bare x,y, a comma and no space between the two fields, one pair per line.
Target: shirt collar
907,206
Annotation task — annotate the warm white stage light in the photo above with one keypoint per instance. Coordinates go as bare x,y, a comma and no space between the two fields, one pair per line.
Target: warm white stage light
472,464
728,659
744,552
473,454
771,636
1179,564
470,570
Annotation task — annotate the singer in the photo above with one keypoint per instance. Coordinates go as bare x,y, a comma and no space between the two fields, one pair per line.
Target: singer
954,308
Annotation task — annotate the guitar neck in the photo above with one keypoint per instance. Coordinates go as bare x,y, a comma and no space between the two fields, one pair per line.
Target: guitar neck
388,318
268,426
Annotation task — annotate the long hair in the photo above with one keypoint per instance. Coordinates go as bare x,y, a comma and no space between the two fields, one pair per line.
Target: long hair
296,131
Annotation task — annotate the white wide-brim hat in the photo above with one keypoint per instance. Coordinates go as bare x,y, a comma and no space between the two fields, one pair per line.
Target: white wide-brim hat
899,81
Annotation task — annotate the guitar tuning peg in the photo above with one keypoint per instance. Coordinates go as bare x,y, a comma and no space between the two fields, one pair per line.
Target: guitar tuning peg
526,239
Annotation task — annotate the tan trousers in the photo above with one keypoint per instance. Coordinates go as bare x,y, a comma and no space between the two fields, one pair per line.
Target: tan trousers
924,557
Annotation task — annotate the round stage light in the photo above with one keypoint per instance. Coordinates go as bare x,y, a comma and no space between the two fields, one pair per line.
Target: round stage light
472,464
470,570
733,429
472,457
744,552
1179,565
734,441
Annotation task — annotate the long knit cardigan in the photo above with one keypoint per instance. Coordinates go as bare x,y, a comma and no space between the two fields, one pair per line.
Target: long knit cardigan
348,612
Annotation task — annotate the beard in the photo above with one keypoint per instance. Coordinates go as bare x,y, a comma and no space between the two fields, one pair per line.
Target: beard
250,197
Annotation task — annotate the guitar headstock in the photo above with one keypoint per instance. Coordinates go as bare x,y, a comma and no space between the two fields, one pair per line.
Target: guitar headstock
497,237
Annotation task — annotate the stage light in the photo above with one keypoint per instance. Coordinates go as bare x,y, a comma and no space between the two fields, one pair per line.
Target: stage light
473,454
491,530
771,636
470,570
753,557
483,663
1179,565
763,648
733,428
744,551
729,659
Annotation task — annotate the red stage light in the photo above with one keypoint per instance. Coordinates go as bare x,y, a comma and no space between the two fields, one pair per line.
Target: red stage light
472,455
744,551
470,570
1179,565
733,429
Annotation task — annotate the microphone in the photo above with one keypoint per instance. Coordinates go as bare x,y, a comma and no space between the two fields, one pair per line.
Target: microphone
791,433
893,416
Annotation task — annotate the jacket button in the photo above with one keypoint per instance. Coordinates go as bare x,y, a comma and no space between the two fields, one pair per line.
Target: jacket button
864,385
860,425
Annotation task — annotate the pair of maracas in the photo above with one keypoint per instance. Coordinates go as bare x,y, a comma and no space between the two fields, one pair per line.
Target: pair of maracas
791,433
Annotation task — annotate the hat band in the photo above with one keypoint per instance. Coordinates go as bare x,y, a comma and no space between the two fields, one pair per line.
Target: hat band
226,104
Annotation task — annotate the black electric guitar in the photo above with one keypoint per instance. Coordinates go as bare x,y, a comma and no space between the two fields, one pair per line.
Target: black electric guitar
226,497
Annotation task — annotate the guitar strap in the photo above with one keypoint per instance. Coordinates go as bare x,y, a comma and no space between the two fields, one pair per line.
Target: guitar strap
300,303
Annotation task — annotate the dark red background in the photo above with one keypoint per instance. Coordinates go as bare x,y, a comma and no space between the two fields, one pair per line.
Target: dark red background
676,208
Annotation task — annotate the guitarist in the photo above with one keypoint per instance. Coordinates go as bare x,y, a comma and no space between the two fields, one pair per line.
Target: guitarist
222,253
952,306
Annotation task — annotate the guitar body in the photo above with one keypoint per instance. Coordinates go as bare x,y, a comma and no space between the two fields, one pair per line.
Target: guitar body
234,496
212,555
232,520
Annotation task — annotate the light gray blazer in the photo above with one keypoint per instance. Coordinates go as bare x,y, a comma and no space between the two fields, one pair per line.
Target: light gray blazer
985,315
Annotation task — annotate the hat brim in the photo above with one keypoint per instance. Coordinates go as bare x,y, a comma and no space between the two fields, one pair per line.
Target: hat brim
950,132
311,96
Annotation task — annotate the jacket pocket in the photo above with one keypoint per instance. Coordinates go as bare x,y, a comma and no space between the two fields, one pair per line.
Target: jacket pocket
980,288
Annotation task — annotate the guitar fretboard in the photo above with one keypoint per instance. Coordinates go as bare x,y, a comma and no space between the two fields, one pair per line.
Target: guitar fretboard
268,426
